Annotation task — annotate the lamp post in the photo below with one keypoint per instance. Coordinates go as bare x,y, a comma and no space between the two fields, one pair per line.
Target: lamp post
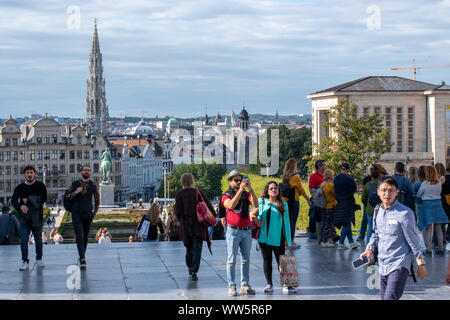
165,190
267,170
44,173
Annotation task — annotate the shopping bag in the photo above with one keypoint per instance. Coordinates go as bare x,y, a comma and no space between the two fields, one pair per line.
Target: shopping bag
288,271
143,231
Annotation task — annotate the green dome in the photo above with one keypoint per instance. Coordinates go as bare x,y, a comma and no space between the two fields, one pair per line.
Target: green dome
173,121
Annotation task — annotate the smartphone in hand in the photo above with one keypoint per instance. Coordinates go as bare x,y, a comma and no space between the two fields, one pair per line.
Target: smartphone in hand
358,263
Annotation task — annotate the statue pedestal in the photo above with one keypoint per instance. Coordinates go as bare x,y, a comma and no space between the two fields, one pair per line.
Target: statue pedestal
107,195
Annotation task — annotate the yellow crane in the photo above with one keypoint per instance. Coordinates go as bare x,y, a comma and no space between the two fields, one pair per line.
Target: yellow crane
414,67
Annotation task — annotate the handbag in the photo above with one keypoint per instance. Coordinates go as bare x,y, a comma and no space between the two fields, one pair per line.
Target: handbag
204,215
255,231
11,239
288,271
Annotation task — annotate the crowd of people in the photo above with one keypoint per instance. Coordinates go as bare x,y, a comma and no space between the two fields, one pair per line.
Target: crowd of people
393,208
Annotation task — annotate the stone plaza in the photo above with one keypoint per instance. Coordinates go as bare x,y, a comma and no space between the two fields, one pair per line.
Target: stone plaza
157,270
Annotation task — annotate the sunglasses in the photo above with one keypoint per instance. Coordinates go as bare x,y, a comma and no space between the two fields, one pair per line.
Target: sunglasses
237,180
273,188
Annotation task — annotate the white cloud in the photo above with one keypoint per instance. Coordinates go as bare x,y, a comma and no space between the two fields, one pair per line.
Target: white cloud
183,53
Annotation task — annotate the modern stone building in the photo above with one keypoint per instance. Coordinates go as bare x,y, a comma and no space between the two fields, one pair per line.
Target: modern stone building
56,151
417,113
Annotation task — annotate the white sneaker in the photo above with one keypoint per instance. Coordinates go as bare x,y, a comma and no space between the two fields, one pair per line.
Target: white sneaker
289,290
326,245
40,263
355,245
268,288
25,266
447,247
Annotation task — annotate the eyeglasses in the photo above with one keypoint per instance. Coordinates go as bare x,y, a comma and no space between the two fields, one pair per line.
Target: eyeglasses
237,180
273,188
389,191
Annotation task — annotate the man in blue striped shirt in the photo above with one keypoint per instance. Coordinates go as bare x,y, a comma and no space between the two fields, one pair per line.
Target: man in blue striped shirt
397,241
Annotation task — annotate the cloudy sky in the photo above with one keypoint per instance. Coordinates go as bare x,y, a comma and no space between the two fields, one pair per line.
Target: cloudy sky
172,57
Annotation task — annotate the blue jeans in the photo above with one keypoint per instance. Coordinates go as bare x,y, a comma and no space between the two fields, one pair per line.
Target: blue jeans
24,233
293,216
346,232
238,239
369,228
362,231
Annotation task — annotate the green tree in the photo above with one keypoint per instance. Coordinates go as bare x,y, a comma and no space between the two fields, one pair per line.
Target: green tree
206,176
293,144
359,141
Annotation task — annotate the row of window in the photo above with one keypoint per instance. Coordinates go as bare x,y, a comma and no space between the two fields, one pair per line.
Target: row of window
399,127
48,155
8,142
47,139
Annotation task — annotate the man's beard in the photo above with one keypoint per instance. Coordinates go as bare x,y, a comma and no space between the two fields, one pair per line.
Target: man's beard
86,176
30,179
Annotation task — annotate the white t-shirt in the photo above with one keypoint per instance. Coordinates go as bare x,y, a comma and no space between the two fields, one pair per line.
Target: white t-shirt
57,239
104,240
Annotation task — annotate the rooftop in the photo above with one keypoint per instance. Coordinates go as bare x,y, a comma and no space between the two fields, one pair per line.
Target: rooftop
380,84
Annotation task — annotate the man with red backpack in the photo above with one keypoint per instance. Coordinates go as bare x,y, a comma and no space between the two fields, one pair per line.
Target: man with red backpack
236,203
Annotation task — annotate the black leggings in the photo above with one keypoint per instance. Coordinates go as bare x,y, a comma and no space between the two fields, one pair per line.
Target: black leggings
194,254
266,251
81,225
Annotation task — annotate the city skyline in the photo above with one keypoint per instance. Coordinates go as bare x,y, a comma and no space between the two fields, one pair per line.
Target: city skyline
180,57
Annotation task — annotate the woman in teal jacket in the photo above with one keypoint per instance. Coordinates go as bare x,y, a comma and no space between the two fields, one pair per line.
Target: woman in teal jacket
275,230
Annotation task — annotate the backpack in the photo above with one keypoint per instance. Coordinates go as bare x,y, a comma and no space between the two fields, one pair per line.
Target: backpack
218,232
66,202
318,196
374,199
287,192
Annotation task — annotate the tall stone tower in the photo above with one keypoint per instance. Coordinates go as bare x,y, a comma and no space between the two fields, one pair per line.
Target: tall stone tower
97,113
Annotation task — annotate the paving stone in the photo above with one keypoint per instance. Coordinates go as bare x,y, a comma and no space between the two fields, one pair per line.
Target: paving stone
157,270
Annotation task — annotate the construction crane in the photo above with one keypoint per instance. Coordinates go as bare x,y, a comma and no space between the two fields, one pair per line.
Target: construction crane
414,67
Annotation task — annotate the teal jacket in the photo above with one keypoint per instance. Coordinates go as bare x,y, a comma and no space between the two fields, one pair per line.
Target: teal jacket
276,224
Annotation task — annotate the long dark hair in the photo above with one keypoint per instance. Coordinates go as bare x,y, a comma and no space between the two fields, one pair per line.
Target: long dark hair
280,204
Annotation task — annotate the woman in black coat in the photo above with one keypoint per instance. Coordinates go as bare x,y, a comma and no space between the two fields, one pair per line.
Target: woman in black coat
193,233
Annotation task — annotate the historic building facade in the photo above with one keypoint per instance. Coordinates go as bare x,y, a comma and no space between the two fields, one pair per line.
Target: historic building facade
56,151
417,113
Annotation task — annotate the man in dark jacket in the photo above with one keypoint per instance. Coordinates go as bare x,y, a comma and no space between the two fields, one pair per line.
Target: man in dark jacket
344,188
407,194
28,199
81,193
